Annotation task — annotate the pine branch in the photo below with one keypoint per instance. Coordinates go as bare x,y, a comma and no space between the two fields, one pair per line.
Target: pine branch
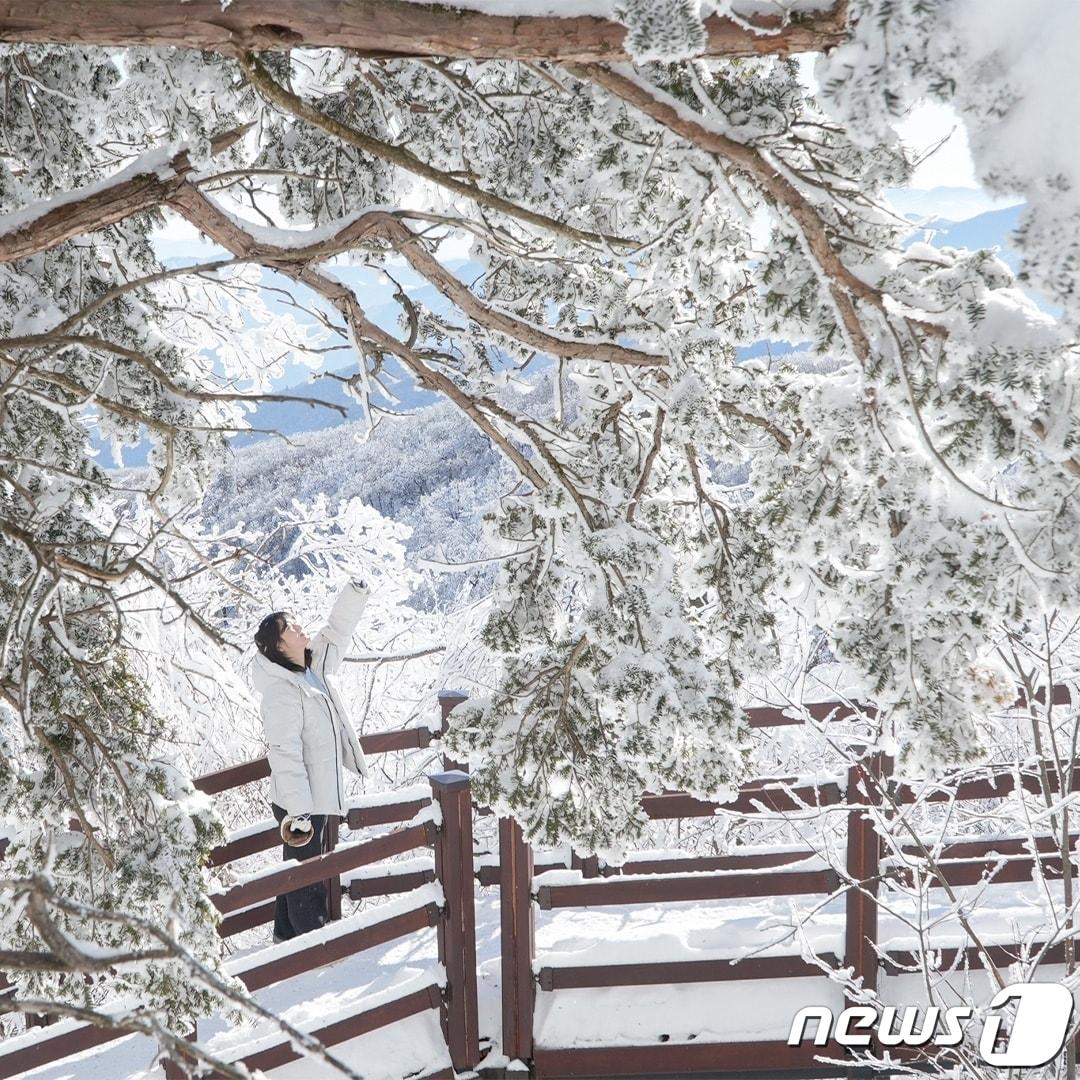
40,893
845,286
403,158
135,190
424,263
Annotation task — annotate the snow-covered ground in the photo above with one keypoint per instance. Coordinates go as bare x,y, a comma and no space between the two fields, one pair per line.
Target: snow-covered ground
640,1015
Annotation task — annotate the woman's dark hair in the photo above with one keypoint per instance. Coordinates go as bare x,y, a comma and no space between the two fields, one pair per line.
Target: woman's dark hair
268,641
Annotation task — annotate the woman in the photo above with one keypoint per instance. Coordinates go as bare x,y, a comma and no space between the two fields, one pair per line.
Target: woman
310,740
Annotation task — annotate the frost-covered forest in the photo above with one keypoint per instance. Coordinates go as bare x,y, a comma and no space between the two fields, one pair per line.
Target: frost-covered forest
614,527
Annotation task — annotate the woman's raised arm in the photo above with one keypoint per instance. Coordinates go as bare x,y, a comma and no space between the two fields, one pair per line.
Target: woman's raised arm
330,643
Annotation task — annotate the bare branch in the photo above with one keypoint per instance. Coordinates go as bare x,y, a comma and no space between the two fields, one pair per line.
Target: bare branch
89,341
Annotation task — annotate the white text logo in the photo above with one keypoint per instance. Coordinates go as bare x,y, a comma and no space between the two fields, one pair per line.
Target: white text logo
1037,1032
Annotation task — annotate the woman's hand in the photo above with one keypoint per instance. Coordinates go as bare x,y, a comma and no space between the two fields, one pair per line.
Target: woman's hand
296,831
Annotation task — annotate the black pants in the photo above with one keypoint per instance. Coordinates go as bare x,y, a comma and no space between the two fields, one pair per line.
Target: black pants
305,908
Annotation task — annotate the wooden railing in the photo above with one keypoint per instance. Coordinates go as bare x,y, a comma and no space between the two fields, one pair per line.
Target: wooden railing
853,796
251,903
736,876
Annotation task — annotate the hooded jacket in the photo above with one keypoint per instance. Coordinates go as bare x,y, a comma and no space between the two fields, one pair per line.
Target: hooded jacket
308,734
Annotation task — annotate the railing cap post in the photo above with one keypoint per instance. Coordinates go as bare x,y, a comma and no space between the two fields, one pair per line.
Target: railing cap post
453,780
449,700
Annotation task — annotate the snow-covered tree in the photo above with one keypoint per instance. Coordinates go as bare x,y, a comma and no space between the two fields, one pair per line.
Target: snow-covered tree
634,223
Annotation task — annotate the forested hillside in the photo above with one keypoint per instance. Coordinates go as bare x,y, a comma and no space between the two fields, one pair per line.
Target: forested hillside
429,470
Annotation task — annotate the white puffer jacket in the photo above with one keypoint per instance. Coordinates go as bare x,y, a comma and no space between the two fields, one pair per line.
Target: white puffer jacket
308,733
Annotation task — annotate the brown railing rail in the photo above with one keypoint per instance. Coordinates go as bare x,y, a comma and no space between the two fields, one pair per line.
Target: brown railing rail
1008,859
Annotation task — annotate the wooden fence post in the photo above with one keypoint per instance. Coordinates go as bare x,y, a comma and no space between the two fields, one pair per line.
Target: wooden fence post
457,927
518,940
448,701
863,865
589,865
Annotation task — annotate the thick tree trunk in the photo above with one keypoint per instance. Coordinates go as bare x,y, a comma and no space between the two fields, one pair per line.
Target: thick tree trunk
381,28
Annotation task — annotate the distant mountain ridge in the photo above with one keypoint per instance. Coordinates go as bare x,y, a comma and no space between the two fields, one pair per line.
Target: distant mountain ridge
950,203
989,230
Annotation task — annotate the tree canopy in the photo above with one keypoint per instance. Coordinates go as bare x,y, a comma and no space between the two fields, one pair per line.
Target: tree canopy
906,483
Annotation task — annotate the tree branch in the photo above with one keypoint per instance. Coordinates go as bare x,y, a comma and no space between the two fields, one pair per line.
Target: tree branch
405,159
390,28
135,189
202,213
424,263
844,285
89,341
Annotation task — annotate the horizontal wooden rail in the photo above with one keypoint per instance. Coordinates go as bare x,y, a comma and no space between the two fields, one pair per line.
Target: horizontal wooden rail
247,772
322,867
389,884
975,849
641,890
680,971
1000,956
764,860
705,1059
244,846
247,919
45,1048
960,872
350,1028
773,796
363,817
386,742
490,875
358,817
995,786
320,953
763,716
